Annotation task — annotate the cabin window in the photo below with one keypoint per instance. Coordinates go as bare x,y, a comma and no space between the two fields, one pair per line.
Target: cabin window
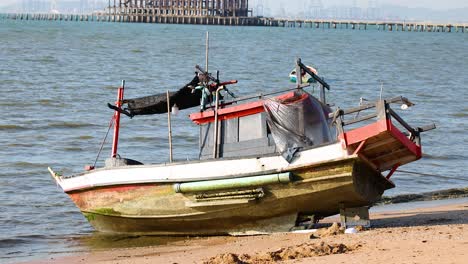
230,130
243,136
251,127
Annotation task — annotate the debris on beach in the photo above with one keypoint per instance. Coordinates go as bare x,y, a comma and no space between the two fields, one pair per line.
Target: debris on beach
301,251
333,230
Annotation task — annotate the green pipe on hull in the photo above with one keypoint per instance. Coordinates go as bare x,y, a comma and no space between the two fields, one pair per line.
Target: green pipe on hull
246,182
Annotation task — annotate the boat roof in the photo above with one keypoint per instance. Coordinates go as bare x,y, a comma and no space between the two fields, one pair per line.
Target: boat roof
235,111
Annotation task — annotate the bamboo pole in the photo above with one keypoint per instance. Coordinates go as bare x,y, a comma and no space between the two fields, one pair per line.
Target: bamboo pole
169,126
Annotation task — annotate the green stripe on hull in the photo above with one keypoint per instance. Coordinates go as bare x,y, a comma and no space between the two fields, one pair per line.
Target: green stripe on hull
247,182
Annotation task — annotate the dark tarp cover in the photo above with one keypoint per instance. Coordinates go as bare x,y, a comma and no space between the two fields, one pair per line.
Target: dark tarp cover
296,123
185,98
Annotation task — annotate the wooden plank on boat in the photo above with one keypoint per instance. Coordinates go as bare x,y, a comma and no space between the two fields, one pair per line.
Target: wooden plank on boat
378,144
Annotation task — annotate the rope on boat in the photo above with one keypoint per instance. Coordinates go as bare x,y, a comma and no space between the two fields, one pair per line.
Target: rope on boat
111,123
433,175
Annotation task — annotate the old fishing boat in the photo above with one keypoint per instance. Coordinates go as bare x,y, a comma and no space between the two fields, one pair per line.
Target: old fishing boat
266,163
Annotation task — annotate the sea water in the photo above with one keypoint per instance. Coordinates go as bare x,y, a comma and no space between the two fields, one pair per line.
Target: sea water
56,78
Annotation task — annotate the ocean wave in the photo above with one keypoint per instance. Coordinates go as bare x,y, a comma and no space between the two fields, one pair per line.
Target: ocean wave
24,164
147,139
73,149
85,137
50,102
110,87
69,125
445,157
13,127
428,196
19,240
459,114
14,104
43,59
16,144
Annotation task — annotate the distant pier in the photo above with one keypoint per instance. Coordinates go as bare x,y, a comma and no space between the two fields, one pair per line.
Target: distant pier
139,16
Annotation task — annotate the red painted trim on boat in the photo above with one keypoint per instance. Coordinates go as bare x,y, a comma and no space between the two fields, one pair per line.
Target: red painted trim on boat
411,146
394,168
362,133
118,104
238,110
359,147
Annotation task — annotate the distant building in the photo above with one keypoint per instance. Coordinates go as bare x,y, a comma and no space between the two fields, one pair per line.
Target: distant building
222,8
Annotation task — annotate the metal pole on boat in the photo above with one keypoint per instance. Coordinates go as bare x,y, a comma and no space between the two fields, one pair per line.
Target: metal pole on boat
207,50
215,138
322,94
169,126
298,73
115,141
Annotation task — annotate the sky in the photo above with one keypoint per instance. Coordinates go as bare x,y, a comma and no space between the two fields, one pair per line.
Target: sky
273,4
432,4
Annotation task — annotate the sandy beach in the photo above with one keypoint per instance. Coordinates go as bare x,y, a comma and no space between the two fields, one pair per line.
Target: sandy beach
433,233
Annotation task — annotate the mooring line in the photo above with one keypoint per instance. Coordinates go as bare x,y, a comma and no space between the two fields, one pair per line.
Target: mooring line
111,123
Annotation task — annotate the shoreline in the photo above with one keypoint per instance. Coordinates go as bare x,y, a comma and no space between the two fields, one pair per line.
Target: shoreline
417,232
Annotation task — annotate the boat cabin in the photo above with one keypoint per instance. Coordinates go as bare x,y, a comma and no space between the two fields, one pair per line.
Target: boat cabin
266,126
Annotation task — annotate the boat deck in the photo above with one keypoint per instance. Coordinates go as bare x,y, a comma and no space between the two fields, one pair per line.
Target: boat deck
382,145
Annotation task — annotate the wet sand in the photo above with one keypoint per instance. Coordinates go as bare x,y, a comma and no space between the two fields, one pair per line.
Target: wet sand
432,233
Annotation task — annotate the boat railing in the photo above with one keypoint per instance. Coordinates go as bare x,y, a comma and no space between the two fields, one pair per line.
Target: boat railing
323,84
383,111
257,96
